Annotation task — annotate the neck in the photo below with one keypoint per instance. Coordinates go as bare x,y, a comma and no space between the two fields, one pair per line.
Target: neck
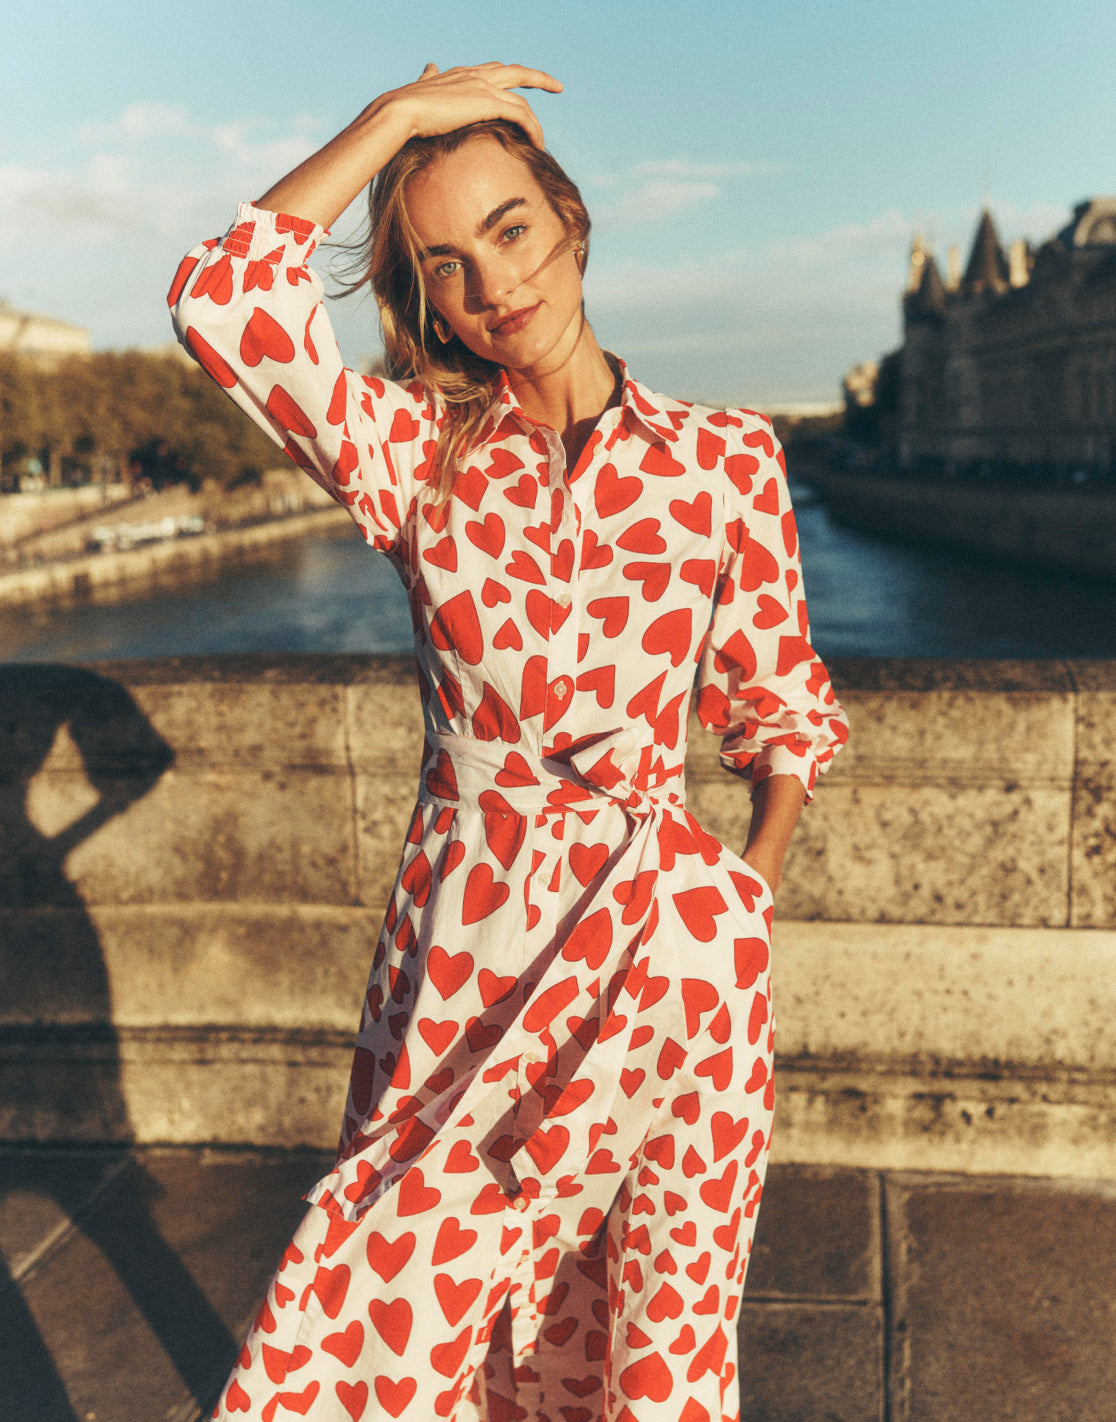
571,392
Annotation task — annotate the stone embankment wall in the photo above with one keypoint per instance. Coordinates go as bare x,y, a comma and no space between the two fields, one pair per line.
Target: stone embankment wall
174,559
197,853
1063,530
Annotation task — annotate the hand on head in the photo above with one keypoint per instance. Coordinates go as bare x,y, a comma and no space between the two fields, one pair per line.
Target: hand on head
441,102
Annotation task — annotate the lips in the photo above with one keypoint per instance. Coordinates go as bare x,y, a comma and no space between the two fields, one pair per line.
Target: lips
514,321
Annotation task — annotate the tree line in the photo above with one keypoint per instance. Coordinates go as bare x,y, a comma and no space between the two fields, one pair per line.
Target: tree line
123,415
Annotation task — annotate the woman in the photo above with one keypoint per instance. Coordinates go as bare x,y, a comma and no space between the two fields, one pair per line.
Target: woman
561,1096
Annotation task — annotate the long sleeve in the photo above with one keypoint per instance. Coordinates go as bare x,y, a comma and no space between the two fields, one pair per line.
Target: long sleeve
250,311
761,685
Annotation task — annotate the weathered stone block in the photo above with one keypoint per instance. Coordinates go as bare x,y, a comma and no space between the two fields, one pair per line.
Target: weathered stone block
805,1362
818,1236
1094,804
962,1260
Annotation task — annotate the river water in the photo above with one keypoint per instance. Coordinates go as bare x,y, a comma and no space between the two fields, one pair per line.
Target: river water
331,594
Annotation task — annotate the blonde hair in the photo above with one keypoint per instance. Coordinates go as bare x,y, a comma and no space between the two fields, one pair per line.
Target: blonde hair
389,262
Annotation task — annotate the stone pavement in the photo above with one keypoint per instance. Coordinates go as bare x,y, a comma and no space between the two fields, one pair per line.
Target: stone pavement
871,1298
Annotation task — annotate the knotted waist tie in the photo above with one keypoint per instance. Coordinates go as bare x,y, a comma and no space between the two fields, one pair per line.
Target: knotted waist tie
618,766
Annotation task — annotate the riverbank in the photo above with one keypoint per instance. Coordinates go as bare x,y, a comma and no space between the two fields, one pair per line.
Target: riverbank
76,579
1069,531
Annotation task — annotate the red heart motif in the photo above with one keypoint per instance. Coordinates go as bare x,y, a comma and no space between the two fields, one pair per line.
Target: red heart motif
493,593
698,909
751,957
684,1343
602,683
393,1322
488,535
524,567
613,612
452,1241
403,428
758,1075
455,1299
483,895
263,336
523,494
446,1358
394,1396
289,414
724,1236
346,1345
643,537
214,365
277,1363
699,995
455,626
437,1035
756,1018
687,1108
671,1057
547,1147
670,633
650,1378
770,614
594,554
727,1133
718,1068
494,720
508,636
299,1402
701,572
587,861
461,1160
353,1398
545,614
414,1196
654,576
659,461
699,1269
480,1035
696,515
331,1286
717,1194
590,939
768,501
455,853
611,494
443,555
631,1080
667,1303
386,1257
710,448
448,973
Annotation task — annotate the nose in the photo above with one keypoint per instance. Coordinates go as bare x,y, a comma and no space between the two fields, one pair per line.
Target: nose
490,283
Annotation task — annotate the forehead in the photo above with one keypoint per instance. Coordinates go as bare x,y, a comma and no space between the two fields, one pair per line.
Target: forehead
449,199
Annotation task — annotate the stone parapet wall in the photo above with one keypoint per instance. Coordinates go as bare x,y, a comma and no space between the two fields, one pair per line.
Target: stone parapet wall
197,855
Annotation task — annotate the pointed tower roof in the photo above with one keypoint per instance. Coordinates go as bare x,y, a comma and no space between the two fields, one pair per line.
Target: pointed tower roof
928,303
988,268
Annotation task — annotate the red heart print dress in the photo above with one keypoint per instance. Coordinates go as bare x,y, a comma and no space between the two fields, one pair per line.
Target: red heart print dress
561,1094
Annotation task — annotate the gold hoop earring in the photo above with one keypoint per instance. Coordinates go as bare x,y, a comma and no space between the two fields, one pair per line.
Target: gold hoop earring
579,256
442,331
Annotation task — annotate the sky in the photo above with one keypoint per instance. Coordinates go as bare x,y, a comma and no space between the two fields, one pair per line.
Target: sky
754,171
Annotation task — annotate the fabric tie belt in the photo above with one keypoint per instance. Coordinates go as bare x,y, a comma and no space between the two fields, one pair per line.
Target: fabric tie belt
618,766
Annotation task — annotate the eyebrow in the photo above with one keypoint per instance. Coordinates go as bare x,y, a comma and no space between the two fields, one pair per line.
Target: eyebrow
485,225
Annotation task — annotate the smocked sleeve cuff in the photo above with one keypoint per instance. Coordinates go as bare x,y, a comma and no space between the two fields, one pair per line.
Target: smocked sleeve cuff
275,237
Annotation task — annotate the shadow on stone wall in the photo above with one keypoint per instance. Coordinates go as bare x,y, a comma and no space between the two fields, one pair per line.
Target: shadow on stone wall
51,1022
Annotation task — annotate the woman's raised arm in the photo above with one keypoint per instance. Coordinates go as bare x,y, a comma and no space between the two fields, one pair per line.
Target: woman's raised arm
323,186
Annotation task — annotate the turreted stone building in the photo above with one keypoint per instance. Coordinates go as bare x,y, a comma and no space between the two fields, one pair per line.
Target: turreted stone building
1010,367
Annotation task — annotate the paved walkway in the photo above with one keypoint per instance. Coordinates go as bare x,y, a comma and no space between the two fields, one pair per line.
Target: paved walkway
871,1298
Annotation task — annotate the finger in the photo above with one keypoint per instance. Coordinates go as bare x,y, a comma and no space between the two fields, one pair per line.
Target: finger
519,76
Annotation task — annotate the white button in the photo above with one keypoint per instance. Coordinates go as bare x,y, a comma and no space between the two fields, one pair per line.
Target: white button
544,880
561,690
520,1202
563,600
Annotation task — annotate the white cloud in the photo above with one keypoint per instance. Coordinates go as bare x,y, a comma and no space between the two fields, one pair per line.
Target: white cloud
682,168
138,122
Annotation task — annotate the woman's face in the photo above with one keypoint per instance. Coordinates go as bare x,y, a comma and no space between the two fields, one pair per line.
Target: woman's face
497,261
